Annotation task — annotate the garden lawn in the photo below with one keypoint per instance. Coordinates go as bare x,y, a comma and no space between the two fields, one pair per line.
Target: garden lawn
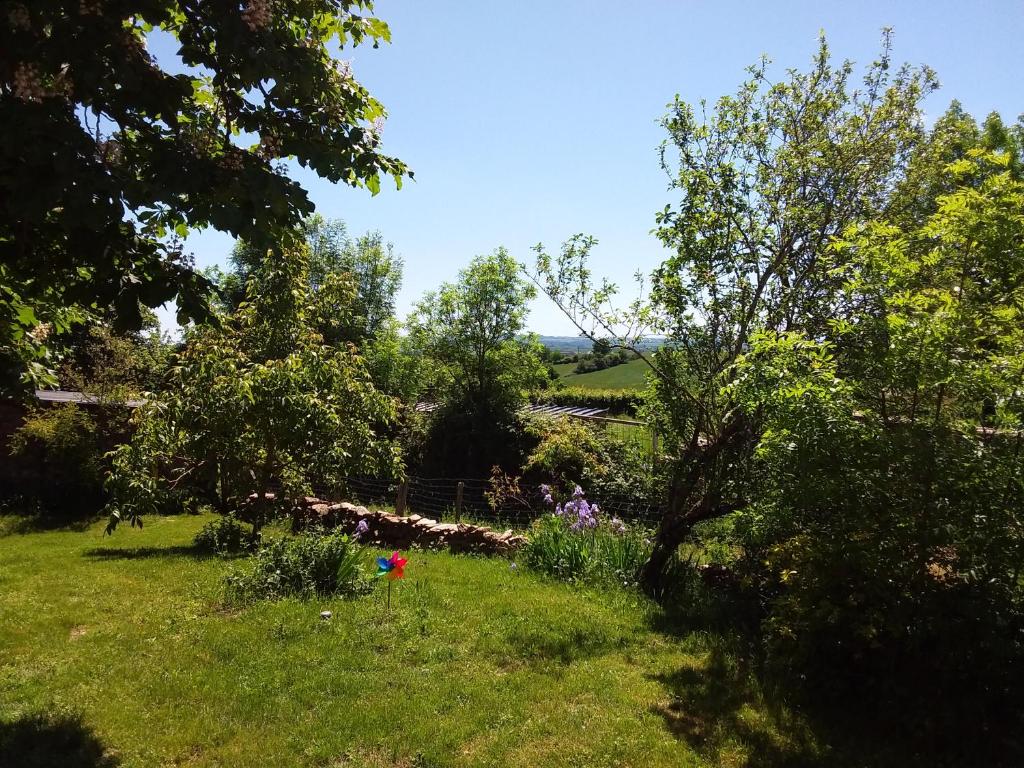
625,376
119,651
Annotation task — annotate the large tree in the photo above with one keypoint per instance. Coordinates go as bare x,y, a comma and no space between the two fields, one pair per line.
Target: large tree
258,403
767,179
473,333
368,260
110,156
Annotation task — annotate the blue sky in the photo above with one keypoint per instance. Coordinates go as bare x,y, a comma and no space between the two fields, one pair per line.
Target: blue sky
529,121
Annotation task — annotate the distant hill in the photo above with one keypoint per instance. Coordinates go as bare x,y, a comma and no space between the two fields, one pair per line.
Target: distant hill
626,376
571,345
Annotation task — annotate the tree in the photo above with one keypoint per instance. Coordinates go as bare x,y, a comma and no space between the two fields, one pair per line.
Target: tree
370,262
108,157
767,179
112,365
473,332
258,404
883,528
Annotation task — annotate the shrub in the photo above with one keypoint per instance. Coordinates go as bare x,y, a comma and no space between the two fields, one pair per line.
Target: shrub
577,543
571,451
223,536
312,565
62,451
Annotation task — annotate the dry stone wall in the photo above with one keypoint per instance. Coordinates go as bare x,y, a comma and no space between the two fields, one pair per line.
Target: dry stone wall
401,532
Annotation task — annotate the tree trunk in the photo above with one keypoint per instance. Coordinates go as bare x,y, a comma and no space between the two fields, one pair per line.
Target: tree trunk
695,495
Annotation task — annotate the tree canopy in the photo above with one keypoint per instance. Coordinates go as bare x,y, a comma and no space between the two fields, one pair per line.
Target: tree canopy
260,403
110,157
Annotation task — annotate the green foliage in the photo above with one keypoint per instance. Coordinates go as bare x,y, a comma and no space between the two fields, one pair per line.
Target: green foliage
367,262
109,159
599,362
472,335
259,401
599,555
112,366
571,452
62,447
224,535
766,179
883,529
316,564
615,400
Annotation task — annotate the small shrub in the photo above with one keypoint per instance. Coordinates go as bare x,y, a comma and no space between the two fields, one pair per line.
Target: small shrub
577,543
225,535
315,564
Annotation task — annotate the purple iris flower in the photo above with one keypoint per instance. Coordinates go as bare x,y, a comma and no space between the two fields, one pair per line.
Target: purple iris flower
362,529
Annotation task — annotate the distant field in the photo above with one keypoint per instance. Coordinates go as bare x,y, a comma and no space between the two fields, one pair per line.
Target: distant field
627,376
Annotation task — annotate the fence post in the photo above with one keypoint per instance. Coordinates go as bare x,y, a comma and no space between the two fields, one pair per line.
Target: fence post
458,501
403,494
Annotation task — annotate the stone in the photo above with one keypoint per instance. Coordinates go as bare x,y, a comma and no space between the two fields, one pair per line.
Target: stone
325,615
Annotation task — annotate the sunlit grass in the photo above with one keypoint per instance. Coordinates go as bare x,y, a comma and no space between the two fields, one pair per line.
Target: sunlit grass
125,642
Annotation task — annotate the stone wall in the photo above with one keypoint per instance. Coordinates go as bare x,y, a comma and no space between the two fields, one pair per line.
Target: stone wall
400,532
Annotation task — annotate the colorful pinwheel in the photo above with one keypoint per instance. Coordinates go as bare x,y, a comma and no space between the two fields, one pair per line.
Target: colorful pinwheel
393,567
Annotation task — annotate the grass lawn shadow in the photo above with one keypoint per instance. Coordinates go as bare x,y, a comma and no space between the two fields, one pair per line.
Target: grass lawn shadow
145,553
46,741
719,711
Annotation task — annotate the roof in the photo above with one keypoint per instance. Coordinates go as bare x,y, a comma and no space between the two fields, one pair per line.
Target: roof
81,398
535,410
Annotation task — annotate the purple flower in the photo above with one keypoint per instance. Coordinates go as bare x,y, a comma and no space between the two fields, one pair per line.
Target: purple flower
548,499
545,489
362,529
618,526
577,492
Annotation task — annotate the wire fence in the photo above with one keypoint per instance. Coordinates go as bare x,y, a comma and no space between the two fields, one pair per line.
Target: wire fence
471,499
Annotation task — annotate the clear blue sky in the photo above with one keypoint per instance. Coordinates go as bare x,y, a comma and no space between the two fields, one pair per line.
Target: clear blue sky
528,121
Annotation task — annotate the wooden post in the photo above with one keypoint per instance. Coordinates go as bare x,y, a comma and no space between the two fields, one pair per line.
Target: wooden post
403,495
458,501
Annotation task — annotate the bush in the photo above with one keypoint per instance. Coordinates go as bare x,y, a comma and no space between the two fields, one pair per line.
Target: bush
223,536
571,451
315,564
61,450
577,543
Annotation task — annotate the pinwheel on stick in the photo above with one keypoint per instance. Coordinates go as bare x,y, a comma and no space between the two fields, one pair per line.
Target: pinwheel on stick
393,568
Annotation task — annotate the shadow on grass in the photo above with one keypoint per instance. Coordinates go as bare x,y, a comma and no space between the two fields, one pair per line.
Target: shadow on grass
718,709
733,709
560,645
47,741
145,553
20,524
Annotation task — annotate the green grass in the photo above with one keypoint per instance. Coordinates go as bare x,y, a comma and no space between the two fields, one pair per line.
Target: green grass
119,651
626,376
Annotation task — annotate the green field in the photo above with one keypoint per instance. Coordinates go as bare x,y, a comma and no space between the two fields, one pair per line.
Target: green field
119,652
626,376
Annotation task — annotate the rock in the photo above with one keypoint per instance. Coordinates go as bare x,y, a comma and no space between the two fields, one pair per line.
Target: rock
325,615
